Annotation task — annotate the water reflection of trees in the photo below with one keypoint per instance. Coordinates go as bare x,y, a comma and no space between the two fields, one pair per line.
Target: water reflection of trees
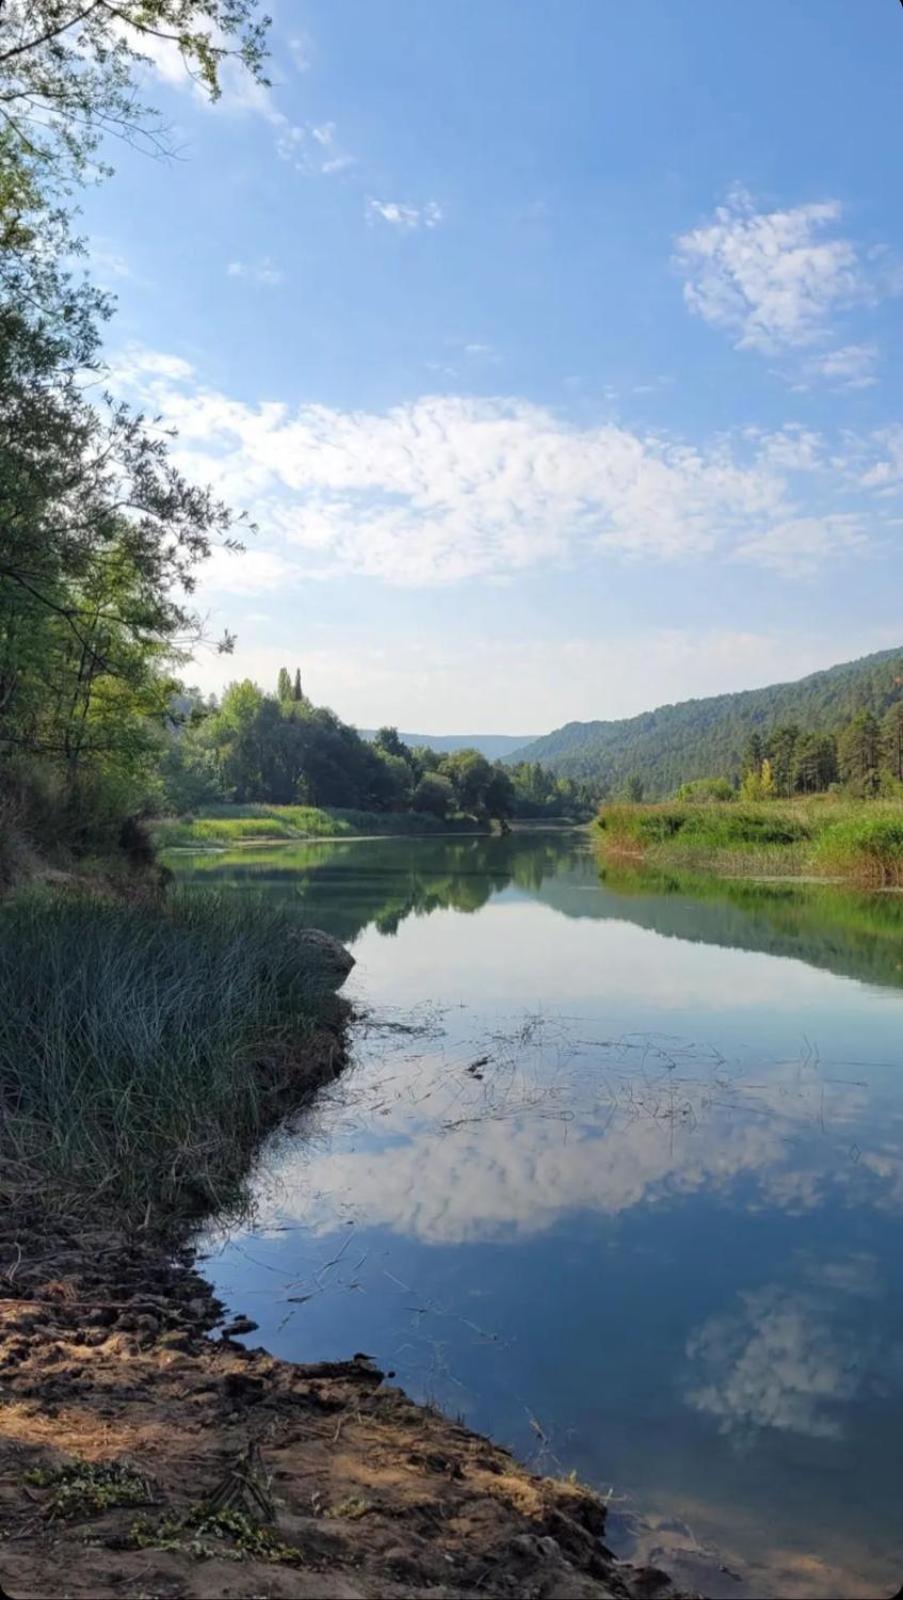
345,887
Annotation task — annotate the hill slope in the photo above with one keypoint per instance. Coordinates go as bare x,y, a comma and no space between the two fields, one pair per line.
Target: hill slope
494,746
701,738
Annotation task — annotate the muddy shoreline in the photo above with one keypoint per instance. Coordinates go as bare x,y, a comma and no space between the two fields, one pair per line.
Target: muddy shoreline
145,1451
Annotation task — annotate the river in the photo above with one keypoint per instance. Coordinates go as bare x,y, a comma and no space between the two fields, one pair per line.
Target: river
617,1176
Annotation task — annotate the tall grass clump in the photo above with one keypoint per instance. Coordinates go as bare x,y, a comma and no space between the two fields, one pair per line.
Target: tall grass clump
867,847
707,825
145,1049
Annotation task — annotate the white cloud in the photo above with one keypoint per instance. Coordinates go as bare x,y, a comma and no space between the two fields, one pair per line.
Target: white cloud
407,217
248,571
263,271
310,148
772,279
801,545
852,366
886,474
781,1362
301,51
469,681
108,262
445,487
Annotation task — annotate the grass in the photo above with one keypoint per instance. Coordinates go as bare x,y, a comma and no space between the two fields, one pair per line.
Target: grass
825,834
144,1049
230,825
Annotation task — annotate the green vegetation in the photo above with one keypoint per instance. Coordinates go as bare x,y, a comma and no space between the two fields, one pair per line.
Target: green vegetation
700,738
247,1538
280,751
143,1050
825,834
231,825
88,1488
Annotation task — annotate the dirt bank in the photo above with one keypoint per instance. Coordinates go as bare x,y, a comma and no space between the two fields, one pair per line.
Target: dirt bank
143,1454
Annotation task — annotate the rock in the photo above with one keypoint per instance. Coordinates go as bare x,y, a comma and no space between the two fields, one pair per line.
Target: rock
238,1326
327,953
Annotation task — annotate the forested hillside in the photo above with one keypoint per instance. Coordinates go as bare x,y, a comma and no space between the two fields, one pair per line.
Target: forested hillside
674,744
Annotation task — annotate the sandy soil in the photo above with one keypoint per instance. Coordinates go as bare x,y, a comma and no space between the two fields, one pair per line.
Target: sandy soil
246,1476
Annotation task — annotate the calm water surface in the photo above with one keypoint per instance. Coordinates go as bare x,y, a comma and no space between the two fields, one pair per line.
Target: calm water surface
618,1176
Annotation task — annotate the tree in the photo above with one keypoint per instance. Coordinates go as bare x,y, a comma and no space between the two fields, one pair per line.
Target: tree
68,67
100,535
781,750
634,788
859,753
498,796
470,775
297,691
815,763
387,739
892,741
284,685
753,755
434,794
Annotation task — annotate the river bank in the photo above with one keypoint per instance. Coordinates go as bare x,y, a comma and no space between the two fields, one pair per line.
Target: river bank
140,1453
826,836
142,1447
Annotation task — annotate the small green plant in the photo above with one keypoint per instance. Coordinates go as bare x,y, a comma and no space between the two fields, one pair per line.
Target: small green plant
86,1488
246,1539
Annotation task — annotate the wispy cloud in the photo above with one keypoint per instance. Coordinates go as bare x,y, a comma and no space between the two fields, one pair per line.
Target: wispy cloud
801,545
851,366
310,147
407,217
263,271
301,51
775,280
449,487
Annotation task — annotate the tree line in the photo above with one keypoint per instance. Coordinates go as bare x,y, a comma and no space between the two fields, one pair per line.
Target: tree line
281,749
864,758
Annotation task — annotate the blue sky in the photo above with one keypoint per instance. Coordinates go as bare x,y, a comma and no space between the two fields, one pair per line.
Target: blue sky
555,350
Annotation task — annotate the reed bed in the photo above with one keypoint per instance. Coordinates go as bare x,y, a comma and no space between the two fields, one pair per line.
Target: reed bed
144,1048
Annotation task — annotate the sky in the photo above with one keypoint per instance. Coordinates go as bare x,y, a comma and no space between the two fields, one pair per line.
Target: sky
554,350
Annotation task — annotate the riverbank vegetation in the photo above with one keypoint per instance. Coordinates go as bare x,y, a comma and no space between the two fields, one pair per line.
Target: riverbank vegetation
145,1048
828,835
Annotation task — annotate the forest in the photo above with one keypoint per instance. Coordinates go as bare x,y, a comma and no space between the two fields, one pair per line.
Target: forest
659,750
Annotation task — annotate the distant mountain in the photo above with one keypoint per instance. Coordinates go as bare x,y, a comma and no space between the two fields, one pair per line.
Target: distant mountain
703,738
495,746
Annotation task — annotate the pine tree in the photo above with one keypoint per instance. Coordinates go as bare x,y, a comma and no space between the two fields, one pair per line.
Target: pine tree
892,740
284,685
753,754
297,691
859,753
